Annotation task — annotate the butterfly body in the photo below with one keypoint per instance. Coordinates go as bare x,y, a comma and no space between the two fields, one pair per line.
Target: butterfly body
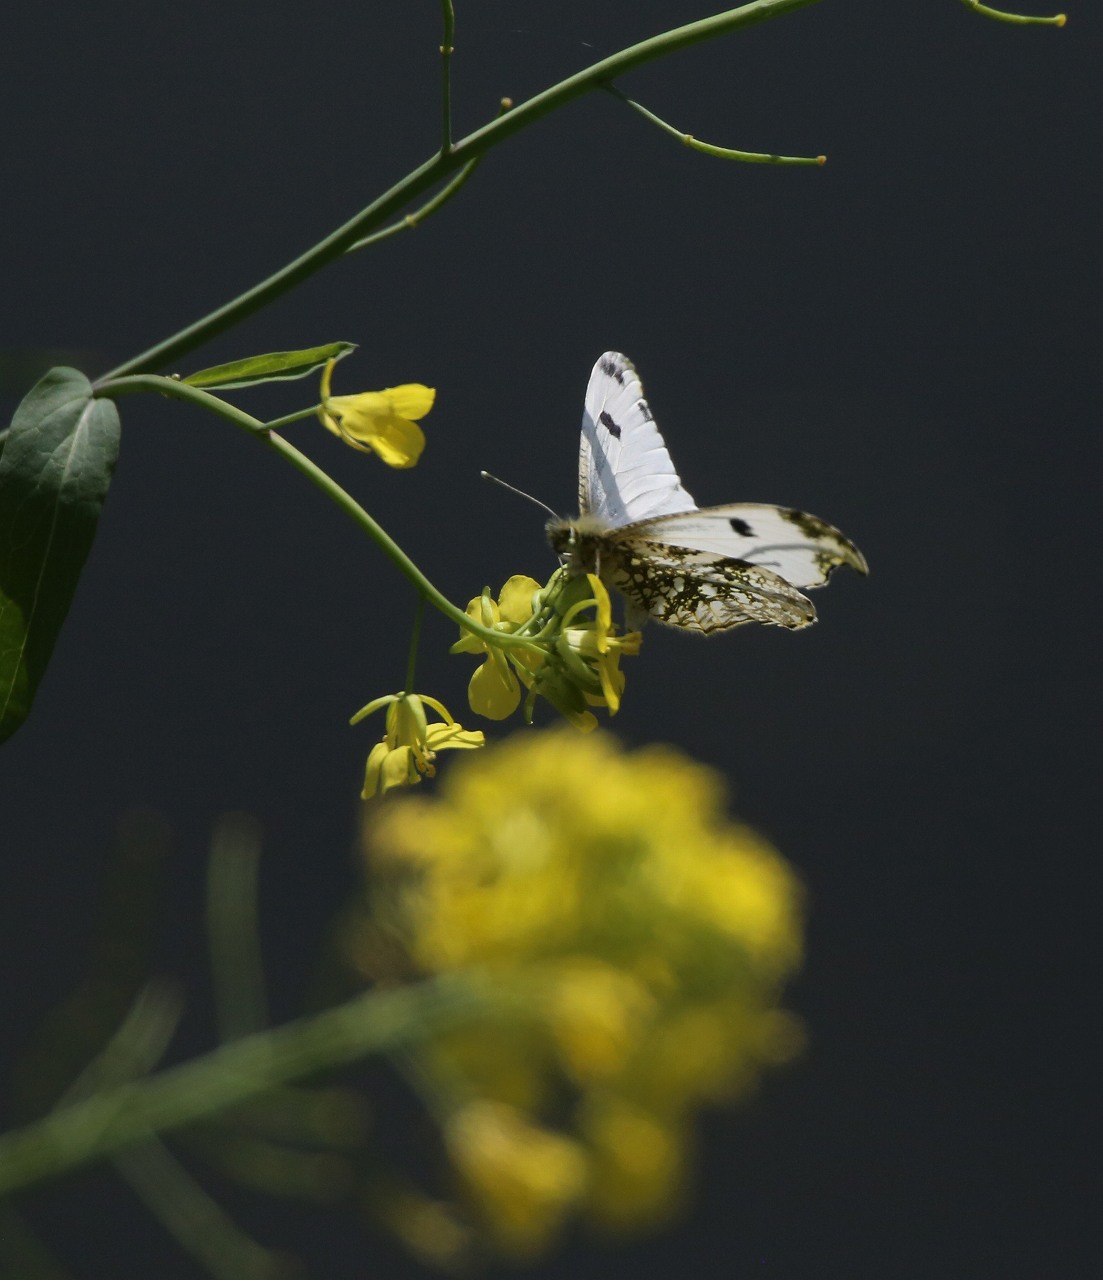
703,570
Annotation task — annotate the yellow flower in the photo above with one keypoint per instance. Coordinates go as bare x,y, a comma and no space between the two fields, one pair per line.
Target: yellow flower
381,422
494,691
639,940
409,746
594,642
520,1178
637,1163
596,1013
571,661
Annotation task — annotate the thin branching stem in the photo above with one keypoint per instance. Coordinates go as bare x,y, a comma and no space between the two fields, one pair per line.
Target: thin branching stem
440,166
447,48
1020,19
722,153
414,219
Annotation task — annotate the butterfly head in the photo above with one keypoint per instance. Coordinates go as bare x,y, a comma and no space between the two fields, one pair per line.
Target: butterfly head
578,541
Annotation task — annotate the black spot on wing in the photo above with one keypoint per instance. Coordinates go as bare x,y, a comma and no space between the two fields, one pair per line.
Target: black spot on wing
644,409
608,423
611,370
741,527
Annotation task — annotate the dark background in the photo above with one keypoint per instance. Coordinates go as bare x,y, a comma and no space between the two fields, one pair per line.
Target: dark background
903,342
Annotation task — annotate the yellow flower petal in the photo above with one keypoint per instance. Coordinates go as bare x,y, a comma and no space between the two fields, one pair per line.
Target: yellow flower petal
604,611
397,441
442,736
515,600
410,400
493,691
374,767
398,770
522,1178
639,1164
612,681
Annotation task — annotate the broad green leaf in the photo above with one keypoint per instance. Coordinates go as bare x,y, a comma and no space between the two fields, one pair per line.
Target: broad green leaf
54,472
276,366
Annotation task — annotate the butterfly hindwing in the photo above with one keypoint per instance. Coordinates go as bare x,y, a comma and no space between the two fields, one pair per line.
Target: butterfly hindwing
699,590
624,470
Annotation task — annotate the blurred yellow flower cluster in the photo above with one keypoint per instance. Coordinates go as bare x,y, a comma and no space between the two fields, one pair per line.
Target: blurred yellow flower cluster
635,940
572,660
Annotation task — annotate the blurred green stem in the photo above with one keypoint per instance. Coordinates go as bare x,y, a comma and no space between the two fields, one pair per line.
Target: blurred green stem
119,1118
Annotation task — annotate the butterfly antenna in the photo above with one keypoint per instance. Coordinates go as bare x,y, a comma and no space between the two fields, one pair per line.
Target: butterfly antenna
520,492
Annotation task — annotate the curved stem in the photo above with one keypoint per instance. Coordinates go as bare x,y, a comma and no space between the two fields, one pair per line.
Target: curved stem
1020,19
340,497
722,153
412,220
440,166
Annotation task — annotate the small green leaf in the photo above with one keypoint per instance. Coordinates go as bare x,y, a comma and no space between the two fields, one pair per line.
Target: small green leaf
276,366
54,472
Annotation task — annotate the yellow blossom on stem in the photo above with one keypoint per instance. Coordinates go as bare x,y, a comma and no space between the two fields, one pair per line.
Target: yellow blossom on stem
596,644
571,660
410,744
494,691
380,422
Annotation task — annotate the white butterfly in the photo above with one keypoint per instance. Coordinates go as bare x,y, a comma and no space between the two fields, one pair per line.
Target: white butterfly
640,531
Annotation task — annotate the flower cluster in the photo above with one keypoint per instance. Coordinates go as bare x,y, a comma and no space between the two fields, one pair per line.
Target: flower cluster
636,941
560,653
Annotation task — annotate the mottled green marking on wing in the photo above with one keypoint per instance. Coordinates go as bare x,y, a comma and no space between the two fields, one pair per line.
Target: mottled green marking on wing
702,592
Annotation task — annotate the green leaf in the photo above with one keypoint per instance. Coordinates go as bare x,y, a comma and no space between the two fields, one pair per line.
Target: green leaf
54,472
276,366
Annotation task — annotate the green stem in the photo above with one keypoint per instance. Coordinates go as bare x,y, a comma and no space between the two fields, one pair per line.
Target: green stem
1020,19
277,424
411,220
415,639
379,536
447,48
440,166
340,497
117,1119
722,153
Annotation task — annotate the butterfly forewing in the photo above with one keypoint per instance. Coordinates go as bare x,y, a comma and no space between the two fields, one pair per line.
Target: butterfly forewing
801,548
624,470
